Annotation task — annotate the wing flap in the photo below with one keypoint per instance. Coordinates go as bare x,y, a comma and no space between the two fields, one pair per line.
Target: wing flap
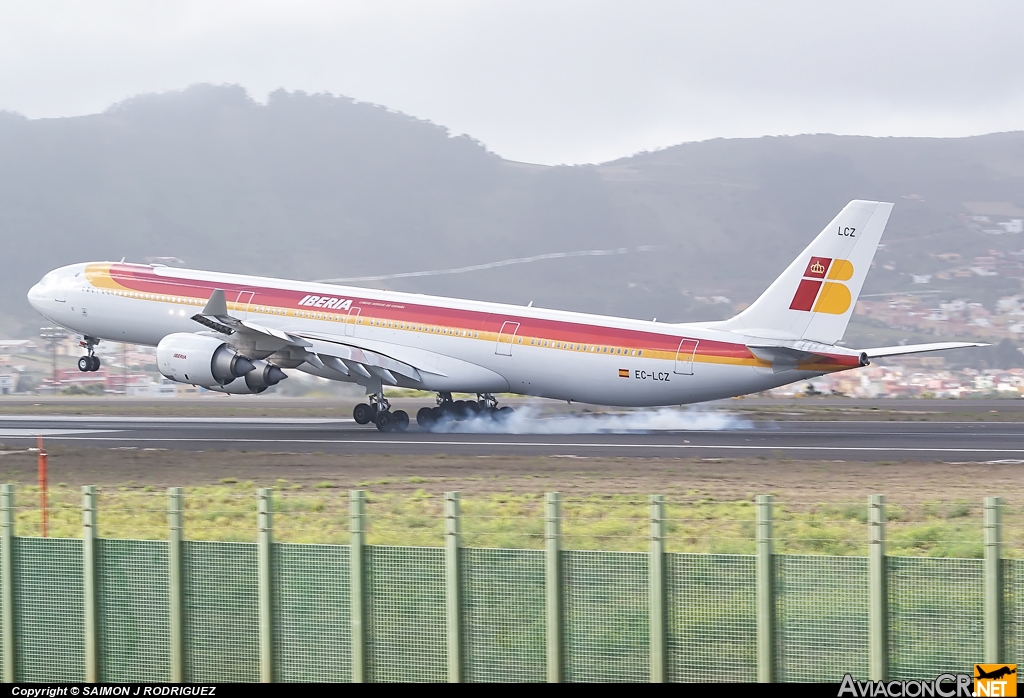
408,361
355,356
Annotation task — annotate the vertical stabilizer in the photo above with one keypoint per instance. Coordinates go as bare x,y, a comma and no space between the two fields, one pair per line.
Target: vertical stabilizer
815,296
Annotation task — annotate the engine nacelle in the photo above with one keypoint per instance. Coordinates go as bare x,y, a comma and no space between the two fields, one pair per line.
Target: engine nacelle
264,376
200,360
253,382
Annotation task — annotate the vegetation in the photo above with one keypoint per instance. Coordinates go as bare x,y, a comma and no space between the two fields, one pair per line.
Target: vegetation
320,514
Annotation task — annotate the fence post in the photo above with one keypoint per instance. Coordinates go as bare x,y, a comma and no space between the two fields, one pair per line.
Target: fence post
452,584
7,565
264,552
765,591
993,581
92,660
175,590
553,585
357,582
878,623
656,585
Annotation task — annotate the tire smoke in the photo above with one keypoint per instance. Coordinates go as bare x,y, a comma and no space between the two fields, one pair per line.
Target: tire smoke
531,420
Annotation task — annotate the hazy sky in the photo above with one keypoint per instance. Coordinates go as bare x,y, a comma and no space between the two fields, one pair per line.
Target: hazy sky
552,81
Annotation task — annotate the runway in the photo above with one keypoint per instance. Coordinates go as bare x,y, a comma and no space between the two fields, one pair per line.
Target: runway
854,440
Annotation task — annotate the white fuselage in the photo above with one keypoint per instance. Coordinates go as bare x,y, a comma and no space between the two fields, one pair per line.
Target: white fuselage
474,347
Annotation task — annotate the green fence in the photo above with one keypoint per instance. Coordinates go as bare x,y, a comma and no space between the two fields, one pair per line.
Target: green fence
95,609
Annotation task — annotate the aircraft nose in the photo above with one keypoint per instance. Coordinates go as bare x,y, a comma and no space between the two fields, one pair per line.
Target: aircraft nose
35,296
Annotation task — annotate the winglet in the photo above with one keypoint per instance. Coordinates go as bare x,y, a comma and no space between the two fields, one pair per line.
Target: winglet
216,306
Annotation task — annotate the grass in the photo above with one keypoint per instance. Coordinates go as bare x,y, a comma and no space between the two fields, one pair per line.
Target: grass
320,514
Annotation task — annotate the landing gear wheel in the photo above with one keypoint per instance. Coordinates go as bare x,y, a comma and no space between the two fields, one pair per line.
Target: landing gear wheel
504,413
427,417
401,420
385,421
85,364
95,360
462,410
363,413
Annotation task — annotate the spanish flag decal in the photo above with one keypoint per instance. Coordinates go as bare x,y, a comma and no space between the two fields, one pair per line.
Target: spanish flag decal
828,296
623,373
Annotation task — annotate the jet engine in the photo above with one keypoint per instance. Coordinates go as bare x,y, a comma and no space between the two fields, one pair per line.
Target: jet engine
256,381
200,360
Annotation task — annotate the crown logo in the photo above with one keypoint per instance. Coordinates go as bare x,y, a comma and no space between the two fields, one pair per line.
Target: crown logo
817,268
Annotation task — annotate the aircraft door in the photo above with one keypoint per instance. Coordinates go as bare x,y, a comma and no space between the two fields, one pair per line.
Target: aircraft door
506,338
243,302
352,321
684,356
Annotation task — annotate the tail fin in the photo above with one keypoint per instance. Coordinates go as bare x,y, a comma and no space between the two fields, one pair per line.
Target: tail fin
814,297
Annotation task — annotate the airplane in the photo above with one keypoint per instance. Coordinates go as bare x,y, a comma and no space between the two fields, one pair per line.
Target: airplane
238,334
999,673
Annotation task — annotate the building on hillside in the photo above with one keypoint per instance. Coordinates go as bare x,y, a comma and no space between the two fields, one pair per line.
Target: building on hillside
8,383
9,347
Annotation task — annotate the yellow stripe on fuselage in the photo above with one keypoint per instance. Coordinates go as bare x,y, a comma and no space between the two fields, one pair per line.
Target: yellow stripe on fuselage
99,276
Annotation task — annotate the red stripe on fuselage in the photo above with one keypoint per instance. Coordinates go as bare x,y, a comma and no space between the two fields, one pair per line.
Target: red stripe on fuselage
145,280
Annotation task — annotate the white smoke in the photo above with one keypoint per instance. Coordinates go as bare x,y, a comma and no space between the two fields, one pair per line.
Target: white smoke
531,420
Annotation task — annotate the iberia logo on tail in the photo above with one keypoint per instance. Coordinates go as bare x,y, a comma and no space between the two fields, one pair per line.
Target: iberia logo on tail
820,290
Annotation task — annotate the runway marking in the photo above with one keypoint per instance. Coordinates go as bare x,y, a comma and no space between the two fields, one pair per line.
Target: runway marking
174,420
546,444
348,420
18,433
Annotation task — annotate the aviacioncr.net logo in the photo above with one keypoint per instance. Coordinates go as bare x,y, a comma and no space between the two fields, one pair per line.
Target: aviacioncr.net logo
943,686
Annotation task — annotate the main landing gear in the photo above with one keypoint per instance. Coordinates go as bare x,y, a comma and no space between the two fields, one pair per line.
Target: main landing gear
89,362
485,406
379,412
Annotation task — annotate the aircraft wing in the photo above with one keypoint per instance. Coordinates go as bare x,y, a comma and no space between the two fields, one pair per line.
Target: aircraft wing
330,356
342,355
879,352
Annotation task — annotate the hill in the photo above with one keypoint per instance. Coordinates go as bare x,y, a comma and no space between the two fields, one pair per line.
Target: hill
316,186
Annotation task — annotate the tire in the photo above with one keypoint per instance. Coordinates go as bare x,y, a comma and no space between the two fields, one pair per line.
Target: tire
84,364
363,413
461,410
385,421
401,420
95,364
426,417
504,413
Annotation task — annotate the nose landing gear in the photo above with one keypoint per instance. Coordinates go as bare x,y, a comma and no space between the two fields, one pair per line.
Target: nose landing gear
90,362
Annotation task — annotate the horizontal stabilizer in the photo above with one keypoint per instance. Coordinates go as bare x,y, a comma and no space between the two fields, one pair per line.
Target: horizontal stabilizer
785,357
879,352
